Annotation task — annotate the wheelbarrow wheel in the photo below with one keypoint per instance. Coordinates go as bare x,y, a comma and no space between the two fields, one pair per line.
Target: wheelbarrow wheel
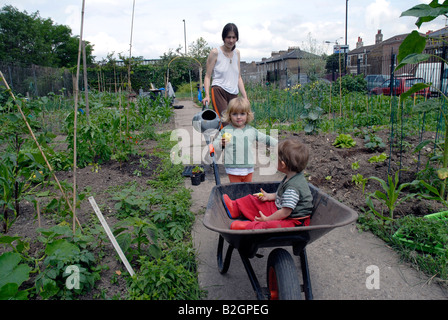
282,279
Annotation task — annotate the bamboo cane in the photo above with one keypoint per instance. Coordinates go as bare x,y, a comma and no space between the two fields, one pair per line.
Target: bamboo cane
75,129
38,212
86,85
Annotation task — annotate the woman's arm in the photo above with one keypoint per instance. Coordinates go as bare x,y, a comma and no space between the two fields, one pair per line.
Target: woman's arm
240,79
211,61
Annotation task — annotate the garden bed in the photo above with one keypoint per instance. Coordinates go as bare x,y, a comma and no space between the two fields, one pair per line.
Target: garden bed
340,172
330,169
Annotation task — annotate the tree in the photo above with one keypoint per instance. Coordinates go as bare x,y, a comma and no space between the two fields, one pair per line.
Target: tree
332,64
30,39
199,49
314,61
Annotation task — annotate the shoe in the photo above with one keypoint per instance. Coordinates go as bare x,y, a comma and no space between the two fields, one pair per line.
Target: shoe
239,225
230,208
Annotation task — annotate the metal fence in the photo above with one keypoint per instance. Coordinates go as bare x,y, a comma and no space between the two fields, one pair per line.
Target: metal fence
380,72
35,80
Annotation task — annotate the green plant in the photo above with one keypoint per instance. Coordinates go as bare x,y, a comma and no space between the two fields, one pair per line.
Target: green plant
344,141
411,52
355,165
373,142
140,232
13,273
20,174
197,170
434,193
92,142
134,202
62,251
358,179
390,198
312,117
426,233
379,158
172,277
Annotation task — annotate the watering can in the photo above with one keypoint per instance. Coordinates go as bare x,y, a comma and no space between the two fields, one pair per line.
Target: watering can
206,120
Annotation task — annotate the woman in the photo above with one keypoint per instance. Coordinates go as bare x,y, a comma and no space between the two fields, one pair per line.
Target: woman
224,63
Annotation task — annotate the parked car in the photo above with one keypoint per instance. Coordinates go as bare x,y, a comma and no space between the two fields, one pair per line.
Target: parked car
430,71
375,80
400,85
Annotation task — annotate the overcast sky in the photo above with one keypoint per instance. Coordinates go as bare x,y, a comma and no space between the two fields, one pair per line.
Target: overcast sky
264,26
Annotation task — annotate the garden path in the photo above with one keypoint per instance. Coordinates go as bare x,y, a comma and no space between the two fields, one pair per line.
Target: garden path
337,262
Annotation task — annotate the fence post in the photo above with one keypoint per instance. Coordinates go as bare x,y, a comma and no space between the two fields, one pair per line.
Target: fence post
392,75
442,69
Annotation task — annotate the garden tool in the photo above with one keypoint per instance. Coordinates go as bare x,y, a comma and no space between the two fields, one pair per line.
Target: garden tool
208,122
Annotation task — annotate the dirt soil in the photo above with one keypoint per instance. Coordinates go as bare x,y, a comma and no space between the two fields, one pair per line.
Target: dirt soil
329,169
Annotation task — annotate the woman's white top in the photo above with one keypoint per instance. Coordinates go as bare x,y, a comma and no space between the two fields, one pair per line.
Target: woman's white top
227,72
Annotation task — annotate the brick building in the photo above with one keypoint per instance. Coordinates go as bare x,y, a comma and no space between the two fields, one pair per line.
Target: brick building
284,68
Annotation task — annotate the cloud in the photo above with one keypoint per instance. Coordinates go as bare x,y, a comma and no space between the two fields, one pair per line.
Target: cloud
264,25
380,13
105,44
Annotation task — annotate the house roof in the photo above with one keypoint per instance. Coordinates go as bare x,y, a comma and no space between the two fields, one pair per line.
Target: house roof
397,38
439,33
362,49
291,54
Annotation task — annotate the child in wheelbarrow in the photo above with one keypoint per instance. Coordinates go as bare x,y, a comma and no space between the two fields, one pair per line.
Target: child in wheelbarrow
290,206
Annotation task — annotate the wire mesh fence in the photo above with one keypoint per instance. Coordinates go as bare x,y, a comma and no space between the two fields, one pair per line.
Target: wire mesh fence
37,81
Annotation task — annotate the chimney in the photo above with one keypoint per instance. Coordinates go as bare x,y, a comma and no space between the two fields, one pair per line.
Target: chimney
359,44
379,37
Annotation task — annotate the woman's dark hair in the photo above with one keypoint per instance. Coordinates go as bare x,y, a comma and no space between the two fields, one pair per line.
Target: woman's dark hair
227,28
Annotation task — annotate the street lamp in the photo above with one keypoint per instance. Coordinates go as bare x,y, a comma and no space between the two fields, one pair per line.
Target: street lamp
185,36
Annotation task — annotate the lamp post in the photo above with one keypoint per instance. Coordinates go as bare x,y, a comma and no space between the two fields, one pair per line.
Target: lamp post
346,50
189,71
346,18
185,36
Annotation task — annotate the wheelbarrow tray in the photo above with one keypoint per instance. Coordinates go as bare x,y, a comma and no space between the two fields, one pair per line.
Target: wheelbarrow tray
328,214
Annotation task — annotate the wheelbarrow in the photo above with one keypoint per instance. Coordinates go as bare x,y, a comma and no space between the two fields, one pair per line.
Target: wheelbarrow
282,280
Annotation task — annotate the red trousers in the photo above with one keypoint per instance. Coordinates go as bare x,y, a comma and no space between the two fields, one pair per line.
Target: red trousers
236,179
249,206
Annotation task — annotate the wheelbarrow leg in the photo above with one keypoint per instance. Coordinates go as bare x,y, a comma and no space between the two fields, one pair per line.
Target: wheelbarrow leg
252,277
306,275
223,267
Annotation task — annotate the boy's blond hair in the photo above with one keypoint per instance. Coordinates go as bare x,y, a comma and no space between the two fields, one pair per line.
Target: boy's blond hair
238,104
294,154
